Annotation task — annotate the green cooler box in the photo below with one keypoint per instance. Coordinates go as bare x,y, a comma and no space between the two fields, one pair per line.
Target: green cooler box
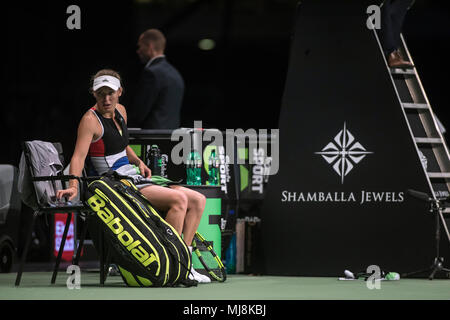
209,226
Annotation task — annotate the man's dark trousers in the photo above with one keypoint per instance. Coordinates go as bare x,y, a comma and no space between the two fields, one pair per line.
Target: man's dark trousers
393,14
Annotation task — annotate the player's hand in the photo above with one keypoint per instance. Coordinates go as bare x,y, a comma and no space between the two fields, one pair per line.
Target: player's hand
70,192
145,171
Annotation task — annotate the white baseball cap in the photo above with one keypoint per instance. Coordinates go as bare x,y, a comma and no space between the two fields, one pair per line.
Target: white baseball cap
106,81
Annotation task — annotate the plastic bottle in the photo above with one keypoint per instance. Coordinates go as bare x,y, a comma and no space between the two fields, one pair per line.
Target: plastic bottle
213,169
190,169
197,169
155,160
230,256
392,276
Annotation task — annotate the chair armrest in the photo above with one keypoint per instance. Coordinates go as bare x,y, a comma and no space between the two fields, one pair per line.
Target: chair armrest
55,178
93,178
90,178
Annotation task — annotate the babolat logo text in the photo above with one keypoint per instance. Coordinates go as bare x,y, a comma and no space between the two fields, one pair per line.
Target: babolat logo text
99,206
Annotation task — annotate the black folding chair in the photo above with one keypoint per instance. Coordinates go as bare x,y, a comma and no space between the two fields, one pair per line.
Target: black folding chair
62,206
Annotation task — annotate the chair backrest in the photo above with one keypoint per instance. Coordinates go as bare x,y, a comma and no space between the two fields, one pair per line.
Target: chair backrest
9,200
40,158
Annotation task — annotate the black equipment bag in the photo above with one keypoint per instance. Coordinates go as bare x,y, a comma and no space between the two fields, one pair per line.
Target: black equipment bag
147,250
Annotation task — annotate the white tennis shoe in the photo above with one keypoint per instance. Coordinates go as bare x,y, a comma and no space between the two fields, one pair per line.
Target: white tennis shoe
194,275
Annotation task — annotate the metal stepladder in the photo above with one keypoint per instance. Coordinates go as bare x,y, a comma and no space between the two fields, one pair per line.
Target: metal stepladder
425,130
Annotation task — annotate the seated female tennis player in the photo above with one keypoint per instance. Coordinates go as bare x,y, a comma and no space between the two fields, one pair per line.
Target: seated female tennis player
103,141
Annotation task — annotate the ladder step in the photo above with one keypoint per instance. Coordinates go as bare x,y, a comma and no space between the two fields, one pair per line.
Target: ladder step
438,174
421,106
402,71
428,140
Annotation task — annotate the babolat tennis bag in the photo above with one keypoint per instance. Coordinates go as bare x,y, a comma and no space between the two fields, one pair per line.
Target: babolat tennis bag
148,250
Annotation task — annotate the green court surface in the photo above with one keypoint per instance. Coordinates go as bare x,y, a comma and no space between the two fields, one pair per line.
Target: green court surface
36,286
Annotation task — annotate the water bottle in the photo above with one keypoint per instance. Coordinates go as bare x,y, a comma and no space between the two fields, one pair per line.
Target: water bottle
190,169
392,276
197,177
155,160
213,169
230,256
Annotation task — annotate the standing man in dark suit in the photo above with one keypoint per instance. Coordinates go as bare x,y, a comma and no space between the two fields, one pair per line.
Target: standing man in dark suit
160,90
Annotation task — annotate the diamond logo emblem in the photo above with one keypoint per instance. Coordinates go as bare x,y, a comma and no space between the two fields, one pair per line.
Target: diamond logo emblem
343,153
